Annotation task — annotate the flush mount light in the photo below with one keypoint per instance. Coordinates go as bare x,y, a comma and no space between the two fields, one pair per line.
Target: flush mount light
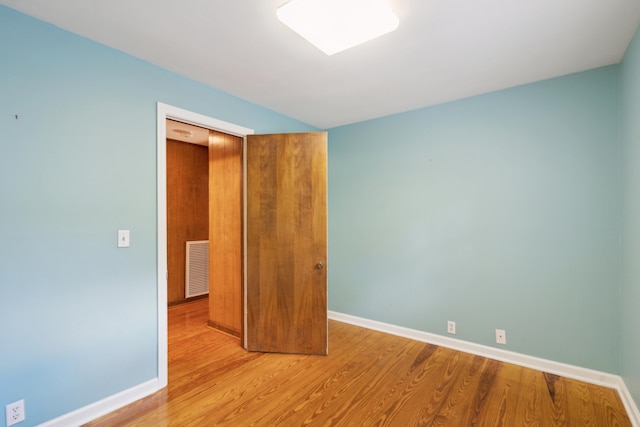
184,133
335,25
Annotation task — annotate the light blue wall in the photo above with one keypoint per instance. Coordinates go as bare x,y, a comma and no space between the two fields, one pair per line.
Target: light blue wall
79,315
498,211
630,137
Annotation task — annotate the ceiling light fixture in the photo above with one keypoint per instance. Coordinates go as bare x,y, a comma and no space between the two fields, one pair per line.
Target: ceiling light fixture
335,25
184,133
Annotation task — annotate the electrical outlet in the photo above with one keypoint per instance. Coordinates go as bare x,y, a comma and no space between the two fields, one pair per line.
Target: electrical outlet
501,336
15,412
451,327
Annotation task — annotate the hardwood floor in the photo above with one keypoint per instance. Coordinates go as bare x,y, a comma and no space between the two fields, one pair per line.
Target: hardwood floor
368,379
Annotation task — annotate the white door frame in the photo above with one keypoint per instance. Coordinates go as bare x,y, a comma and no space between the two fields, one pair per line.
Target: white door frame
165,112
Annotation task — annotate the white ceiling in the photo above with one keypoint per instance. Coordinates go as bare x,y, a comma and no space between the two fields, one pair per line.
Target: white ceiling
442,51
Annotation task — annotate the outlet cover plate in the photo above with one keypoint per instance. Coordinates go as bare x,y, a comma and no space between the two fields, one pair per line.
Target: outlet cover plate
501,336
15,412
451,327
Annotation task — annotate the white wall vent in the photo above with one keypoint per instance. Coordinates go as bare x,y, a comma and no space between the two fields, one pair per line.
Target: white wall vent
197,268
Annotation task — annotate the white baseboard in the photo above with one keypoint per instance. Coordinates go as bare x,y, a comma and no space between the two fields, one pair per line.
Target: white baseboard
102,407
569,371
629,403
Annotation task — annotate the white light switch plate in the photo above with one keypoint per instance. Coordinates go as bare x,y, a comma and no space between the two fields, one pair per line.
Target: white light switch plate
123,238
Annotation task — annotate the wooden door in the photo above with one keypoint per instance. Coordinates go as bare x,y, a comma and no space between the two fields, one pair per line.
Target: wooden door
286,249
225,233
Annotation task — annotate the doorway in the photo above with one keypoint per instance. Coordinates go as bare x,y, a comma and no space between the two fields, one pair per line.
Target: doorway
204,221
165,112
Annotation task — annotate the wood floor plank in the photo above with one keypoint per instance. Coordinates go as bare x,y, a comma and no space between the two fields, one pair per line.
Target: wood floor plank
467,405
504,395
368,379
581,407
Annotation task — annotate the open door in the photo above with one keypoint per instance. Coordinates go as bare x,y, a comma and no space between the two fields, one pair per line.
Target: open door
225,233
286,243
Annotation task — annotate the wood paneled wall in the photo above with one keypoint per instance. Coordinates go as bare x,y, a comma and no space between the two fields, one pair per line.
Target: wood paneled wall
225,233
187,208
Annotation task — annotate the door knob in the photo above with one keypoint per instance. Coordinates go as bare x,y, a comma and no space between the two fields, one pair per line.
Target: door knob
320,265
